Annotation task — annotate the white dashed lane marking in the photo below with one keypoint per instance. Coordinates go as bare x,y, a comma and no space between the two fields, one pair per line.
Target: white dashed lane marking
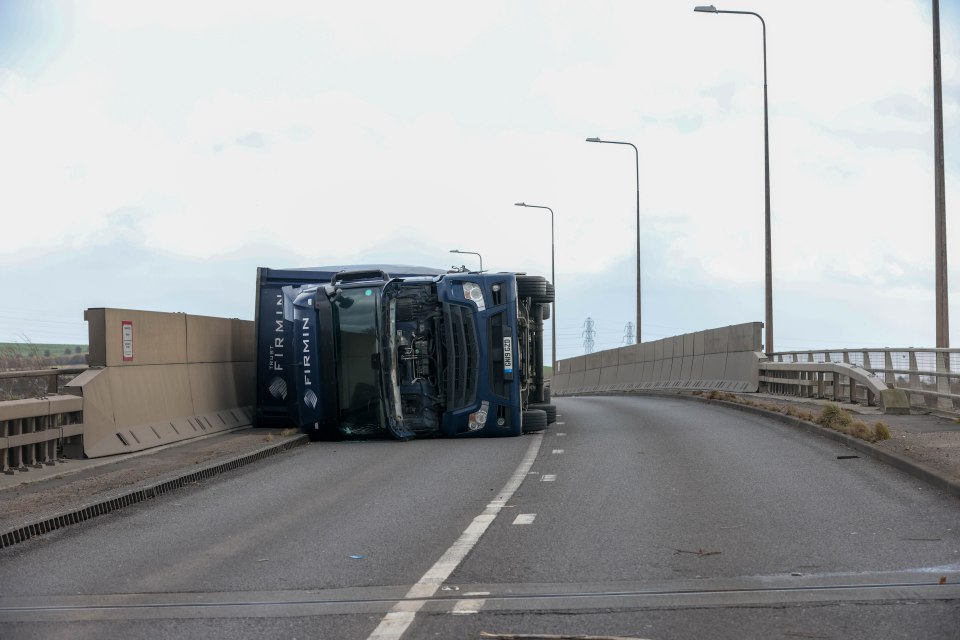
395,623
548,477
557,451
525,518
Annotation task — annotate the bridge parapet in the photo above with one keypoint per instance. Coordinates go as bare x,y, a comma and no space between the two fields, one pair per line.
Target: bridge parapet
725,358
157,378
928,379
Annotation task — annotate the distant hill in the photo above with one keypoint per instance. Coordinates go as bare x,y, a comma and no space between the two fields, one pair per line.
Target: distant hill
28,355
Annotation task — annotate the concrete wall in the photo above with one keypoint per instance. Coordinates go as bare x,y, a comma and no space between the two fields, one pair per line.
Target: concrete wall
164,377
725,358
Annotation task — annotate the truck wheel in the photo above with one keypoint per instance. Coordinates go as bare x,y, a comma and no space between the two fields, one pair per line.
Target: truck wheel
531,287
549,295
533,420
549,409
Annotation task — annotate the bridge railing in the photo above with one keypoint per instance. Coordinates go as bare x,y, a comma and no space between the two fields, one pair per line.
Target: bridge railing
32,429
929,377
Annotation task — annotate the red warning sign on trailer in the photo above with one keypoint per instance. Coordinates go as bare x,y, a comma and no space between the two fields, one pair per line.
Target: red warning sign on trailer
127,333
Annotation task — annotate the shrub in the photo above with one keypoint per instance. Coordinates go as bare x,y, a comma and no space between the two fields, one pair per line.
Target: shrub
881,431
833,417
860,429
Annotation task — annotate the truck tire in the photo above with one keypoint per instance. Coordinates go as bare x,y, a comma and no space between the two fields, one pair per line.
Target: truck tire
531,287
546,312
549,295
546,393
533,420
549,409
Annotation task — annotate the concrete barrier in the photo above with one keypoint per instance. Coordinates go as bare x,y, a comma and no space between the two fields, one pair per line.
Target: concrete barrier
157,378
726,358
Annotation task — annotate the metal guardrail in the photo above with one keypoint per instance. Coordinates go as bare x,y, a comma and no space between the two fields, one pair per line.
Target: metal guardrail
32,429
53,375
839,381
930,377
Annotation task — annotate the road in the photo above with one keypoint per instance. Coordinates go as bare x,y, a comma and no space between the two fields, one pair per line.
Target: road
633,516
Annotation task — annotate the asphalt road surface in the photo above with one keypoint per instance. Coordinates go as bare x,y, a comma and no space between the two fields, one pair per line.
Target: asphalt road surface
632,516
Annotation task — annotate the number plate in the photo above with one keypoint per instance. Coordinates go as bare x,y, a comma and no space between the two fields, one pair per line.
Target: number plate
508,354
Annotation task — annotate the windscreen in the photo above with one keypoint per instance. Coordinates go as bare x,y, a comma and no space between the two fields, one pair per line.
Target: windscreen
355,313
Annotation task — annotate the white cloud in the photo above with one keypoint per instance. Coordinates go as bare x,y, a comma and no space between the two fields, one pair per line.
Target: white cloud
171,147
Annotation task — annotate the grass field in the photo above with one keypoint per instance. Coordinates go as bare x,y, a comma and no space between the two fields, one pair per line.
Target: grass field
30,348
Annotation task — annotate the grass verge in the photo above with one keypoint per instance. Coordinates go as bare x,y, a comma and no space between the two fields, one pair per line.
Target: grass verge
831,416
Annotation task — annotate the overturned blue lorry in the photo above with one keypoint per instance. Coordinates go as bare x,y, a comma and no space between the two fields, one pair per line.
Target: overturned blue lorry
388,350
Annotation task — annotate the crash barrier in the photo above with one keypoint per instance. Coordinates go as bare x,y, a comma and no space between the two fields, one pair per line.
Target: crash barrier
157,378
839,381
927,379
31,430
726,359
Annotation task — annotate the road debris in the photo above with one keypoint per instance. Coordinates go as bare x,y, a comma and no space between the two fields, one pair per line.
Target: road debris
356,557
699,552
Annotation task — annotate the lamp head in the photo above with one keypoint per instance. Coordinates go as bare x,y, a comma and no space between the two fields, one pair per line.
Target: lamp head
594,140
519,204
709,8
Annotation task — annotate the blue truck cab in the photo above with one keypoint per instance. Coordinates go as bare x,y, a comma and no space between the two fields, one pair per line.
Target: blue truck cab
376,350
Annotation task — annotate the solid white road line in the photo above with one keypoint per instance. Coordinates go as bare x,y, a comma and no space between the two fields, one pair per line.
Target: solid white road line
401,616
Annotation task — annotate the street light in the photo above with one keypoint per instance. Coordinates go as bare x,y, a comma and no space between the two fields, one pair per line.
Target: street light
939,194
553,280
768,304
472,253
637,157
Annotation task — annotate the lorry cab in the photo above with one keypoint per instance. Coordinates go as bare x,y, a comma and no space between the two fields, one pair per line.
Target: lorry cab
412,353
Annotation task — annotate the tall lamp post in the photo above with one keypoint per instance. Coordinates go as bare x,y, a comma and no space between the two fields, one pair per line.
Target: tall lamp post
637,158
553,280
940,198
766,173
472,253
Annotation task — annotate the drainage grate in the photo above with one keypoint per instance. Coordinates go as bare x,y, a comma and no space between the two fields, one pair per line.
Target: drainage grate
113,503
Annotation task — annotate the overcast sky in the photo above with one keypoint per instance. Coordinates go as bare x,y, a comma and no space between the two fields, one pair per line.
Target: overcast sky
154,154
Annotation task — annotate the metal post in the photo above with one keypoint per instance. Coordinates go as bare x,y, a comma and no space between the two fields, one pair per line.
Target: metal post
472,253
553,281
636,155
940,199
768,261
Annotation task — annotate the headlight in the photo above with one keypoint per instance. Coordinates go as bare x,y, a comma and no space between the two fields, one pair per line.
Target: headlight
479,419
473,292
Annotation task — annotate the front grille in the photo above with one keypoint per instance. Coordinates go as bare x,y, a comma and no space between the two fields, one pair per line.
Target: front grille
462,357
